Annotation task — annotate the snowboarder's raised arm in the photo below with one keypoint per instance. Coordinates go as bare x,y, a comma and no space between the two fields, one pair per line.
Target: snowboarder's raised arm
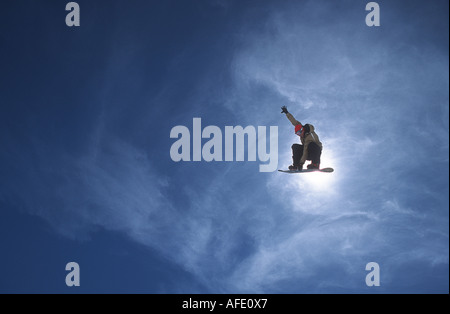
292,119
290,116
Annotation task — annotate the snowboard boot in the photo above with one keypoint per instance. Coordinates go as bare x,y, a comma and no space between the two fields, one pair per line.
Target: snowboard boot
296,166
313,166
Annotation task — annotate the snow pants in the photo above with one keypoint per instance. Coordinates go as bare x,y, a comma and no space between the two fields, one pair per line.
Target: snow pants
314,153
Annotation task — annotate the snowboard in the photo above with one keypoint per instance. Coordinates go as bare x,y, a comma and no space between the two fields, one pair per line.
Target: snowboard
308,170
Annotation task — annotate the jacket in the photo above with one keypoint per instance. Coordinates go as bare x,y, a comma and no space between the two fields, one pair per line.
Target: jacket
305,138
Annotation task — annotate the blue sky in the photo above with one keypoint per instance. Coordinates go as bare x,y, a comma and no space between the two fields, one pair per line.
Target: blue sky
86,174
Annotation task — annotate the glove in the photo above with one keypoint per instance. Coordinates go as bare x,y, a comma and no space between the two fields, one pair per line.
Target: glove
284,109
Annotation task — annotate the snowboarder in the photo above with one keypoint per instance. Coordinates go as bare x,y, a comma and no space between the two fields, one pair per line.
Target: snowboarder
311,147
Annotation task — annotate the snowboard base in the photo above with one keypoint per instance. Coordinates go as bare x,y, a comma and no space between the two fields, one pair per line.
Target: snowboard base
308,170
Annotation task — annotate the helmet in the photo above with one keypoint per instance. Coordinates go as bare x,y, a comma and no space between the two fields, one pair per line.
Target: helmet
298,129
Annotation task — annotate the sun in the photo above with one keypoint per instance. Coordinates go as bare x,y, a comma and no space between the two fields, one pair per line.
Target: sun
322,181
319,181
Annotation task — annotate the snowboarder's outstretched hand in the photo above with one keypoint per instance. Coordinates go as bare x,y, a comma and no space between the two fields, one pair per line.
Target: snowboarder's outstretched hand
284,110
